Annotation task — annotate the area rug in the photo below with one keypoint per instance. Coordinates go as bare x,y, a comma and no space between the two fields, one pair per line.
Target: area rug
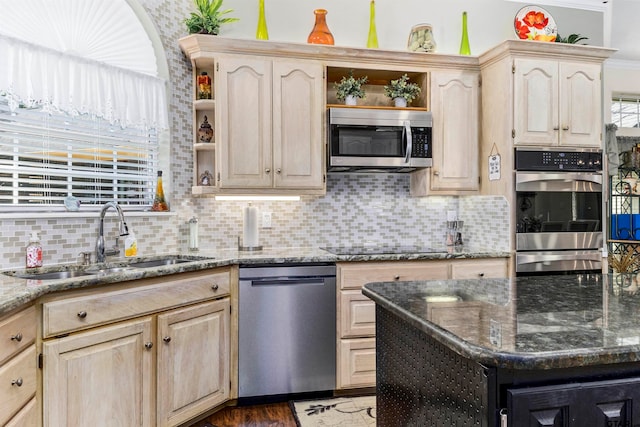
338,412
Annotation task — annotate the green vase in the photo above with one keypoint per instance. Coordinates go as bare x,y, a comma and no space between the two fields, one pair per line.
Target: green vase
372,40
261,32
464,44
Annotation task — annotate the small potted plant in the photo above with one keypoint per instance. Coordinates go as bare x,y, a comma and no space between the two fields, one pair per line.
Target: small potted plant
209,18
401,91
350,88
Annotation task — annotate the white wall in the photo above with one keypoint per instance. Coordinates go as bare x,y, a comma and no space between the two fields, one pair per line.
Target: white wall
489,21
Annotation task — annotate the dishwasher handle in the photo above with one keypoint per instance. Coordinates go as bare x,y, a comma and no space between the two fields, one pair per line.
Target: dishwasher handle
287,281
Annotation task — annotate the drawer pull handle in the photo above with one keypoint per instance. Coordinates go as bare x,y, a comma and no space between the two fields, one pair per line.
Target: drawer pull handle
17,337
565,127
396,277
166,339
148,345
215,287
82,314
481,274
17,382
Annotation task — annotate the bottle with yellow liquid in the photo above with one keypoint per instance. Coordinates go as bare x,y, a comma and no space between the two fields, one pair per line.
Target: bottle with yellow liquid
159,202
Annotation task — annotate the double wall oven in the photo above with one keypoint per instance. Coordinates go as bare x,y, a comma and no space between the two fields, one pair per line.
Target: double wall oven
558,212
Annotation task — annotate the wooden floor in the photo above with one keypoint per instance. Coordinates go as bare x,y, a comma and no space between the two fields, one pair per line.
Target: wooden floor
268,415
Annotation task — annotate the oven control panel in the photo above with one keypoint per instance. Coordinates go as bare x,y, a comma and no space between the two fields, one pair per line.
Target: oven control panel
564,161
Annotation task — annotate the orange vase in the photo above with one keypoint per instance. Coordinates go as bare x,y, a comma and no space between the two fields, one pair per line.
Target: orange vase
320,33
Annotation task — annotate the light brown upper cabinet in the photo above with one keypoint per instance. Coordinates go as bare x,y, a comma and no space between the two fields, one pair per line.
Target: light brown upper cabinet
557,103
455,101
270,124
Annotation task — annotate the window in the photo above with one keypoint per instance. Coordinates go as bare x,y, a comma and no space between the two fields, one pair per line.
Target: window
48,156
80,116
625,111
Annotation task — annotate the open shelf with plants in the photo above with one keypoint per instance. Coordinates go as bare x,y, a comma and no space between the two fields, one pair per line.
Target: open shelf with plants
377,79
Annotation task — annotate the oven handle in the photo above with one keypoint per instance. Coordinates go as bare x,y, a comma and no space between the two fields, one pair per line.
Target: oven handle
406,135
540,179
569,256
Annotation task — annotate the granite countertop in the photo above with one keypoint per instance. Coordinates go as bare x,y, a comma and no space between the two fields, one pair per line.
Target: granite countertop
15,292
540,322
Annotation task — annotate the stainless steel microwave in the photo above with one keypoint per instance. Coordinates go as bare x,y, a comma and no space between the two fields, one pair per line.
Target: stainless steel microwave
378,140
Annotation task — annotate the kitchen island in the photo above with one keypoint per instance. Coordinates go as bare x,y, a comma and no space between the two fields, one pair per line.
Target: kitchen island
543,351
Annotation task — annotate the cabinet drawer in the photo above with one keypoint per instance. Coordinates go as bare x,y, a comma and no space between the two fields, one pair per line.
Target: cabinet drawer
358,315
478,268
27,417
355,275
357,363
67,314
17,332
19,370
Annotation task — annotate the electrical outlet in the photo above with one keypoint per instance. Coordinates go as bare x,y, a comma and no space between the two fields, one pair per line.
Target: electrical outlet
266,219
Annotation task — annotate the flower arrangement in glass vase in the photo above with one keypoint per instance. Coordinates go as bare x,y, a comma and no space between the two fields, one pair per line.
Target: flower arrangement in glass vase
402,91
350,88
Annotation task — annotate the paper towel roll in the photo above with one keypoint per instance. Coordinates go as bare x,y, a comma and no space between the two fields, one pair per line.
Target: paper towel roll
250,236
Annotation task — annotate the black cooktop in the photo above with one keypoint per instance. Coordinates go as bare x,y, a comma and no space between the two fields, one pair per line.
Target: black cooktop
379,250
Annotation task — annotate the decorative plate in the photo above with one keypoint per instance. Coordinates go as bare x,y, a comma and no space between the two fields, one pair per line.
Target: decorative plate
535,23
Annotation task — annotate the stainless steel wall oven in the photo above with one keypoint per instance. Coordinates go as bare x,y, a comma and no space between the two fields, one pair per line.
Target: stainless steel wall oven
558,211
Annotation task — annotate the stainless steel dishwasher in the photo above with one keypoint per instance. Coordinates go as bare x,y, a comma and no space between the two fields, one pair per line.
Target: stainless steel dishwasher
287,330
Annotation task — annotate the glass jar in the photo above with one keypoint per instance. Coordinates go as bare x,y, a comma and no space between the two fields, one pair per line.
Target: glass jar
421,39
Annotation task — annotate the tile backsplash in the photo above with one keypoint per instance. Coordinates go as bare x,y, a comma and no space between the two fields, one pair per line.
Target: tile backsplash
356,209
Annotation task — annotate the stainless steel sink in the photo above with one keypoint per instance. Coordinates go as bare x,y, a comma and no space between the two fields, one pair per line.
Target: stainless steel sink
50,275
101,269
106,270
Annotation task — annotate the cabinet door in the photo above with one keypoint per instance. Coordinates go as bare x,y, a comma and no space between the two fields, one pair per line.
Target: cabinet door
193,361
27,417
580,105
455,100
535,102
298,100
102,377
243,118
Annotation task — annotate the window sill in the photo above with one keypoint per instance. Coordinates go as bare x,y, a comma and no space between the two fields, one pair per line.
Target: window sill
79,214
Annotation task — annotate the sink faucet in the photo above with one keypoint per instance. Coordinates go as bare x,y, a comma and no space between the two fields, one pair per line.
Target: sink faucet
101,253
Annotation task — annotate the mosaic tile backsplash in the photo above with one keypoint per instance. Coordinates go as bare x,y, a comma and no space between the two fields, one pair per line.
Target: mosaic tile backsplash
356,209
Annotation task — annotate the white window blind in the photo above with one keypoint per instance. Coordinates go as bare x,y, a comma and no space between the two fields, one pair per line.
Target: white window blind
47,156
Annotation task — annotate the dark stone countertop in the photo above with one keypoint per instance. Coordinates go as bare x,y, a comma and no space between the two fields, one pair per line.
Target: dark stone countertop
16,292
540,322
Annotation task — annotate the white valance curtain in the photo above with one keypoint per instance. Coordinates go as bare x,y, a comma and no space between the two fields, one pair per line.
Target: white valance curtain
37,76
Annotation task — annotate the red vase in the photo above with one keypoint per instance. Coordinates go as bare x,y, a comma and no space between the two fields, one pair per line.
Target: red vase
320,33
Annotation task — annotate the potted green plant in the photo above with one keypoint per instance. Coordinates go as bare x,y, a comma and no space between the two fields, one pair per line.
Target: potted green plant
402,91
350,88
209,18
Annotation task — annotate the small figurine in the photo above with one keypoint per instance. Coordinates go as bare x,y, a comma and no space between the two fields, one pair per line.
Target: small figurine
205,133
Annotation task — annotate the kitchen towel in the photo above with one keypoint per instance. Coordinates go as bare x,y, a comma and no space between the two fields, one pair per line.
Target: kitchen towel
250,236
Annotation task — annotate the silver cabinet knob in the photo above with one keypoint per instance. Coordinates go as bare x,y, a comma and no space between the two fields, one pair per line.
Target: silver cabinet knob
267,170
17,382
278,171
17,337
166,339
148,345
556,128
214,287
82,314
436,173
396,277
481,274
565,127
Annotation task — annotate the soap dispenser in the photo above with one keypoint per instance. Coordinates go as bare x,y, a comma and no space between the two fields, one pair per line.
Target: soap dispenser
34,252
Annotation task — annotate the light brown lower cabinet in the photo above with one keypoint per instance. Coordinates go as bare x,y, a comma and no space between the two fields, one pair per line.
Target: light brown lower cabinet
356,343
18,369
159,356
